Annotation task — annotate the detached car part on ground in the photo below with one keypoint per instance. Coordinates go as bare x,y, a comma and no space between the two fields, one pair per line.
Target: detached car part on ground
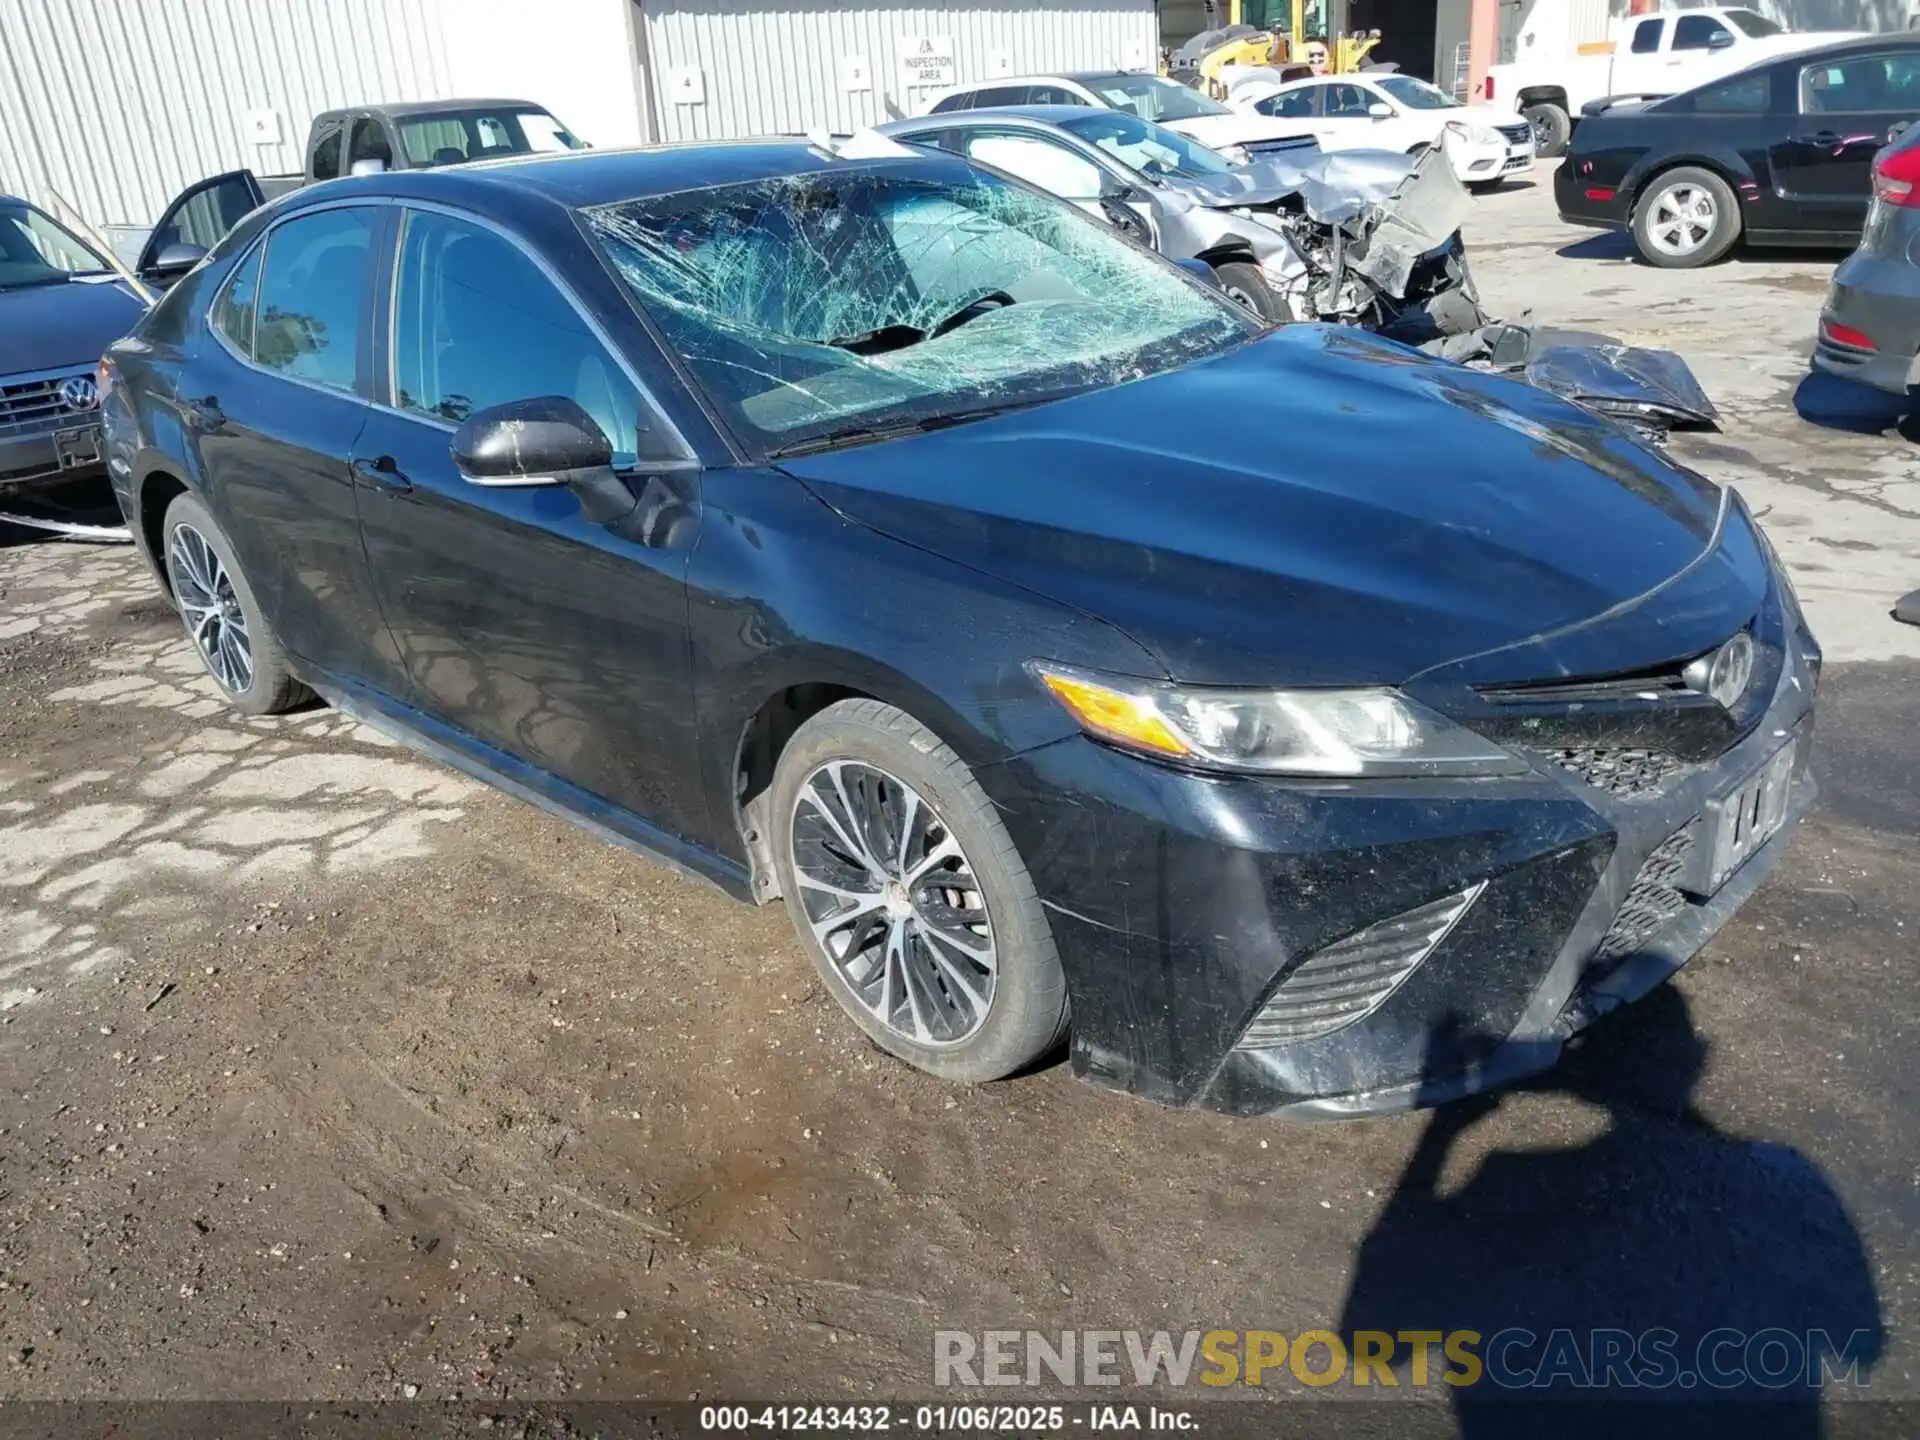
1369,238
886,538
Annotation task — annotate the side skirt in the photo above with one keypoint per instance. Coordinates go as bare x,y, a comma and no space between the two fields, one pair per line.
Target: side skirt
612,823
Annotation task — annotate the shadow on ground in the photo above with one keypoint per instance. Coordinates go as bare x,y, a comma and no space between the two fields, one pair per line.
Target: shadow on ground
1663,1256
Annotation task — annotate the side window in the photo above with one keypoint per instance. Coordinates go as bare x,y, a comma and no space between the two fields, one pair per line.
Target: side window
1000,95
1859,83
233,310
962,101
206,215
1347,100
1052,95
326,152
1742,95
369,143
1290,104
1052,168
312,287
477,324
954,140
1646,36
1696,32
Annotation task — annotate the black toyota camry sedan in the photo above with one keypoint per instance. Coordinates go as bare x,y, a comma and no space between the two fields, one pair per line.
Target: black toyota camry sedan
883,537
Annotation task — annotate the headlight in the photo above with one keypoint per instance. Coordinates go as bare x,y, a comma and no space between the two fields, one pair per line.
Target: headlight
1274,732
1483,136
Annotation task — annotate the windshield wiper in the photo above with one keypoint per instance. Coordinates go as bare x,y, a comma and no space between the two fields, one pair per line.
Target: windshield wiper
866,434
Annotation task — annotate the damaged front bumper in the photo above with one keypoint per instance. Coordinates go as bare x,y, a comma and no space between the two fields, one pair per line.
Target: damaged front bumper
1184,907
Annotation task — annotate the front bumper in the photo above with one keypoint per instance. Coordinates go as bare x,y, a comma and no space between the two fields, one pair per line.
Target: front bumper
1181,903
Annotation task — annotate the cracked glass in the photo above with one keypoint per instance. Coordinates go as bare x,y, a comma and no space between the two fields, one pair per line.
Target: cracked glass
826,306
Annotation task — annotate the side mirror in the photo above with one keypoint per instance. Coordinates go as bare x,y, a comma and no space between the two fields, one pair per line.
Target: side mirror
177,258
548,441
1719,40
1112,188
368,166
1380,110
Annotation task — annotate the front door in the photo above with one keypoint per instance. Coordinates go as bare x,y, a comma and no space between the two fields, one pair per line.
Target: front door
524,624
198,217
1846,109
272,409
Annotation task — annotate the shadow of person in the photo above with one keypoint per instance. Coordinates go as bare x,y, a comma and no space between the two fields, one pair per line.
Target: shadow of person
1661,1259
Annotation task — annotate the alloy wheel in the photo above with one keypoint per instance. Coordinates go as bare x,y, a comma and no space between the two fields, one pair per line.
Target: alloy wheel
211,608
1682,220
893,901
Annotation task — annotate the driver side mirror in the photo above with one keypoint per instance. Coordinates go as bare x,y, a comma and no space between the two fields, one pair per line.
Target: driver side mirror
1380,110
1719,40
1114,188
548,441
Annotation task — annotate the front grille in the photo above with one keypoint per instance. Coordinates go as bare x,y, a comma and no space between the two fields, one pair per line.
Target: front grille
1653,900
1516,134
1626,774
1352,978
31,406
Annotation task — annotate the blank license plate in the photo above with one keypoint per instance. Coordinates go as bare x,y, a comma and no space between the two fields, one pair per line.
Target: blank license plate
1739,823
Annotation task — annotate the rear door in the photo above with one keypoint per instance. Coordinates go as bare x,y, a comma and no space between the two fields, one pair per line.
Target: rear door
273,403
198,217
1843,110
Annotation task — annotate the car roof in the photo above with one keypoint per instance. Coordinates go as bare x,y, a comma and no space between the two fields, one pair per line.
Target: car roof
1047,114
402,109
1072,77
583,178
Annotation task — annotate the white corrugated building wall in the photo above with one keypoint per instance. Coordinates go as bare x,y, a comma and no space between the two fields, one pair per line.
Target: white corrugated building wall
115,106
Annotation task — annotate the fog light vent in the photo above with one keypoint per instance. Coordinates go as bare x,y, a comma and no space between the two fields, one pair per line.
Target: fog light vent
1353,977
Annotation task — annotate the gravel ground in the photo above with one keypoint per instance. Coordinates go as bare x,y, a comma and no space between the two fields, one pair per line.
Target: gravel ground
330,1074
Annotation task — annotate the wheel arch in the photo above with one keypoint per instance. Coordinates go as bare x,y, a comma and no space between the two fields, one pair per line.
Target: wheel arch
157,488
1734,173
1544,95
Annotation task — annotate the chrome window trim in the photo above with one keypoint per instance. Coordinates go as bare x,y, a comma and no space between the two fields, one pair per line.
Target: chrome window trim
688,455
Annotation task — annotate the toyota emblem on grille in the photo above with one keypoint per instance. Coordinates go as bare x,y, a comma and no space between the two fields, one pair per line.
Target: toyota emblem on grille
1726,673
77,392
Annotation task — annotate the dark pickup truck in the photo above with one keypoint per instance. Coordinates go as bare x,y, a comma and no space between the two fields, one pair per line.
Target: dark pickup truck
356,141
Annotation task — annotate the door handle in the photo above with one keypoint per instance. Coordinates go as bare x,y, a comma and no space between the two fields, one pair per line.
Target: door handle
204,414
382,474
1825,139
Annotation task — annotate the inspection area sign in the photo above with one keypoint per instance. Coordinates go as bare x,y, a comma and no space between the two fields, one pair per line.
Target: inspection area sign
927,62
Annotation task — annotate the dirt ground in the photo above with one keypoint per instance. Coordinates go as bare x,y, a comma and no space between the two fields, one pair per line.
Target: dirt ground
328,1073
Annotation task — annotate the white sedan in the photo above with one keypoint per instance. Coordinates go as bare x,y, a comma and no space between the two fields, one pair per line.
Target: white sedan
1388,111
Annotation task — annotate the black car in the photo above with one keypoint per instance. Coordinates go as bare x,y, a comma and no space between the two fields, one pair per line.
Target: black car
61,304
884,536
1778,154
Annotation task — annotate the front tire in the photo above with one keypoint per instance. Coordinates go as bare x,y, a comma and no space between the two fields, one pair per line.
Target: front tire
1552,129
907,894
1243,284
1688,217
225,624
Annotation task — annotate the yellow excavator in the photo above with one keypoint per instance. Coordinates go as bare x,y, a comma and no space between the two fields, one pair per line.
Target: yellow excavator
1256,34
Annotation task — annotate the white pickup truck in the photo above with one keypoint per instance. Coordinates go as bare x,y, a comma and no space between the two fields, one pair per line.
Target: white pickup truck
1558,67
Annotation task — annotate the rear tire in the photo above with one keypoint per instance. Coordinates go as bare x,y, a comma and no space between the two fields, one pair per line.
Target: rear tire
1685,218
1552,129
1243,284
934,944
225,624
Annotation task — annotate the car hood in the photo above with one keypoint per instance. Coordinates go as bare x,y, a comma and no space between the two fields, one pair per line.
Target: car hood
1317,507
1237,129
48,327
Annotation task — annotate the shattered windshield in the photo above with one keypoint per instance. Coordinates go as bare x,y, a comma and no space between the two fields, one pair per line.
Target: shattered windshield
1153,98
828,305
1150,149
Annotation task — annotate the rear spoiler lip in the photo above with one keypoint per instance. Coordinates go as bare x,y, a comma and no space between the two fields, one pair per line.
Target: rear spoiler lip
1607,102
